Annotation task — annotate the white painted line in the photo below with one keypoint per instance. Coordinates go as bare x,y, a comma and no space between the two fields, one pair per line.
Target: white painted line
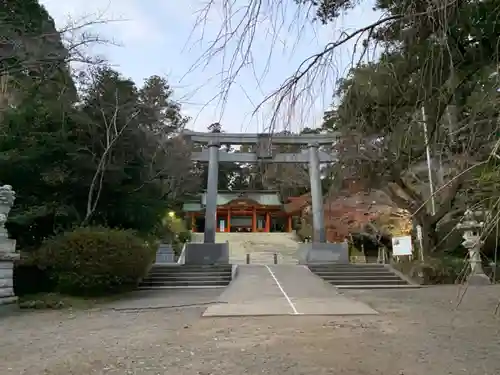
295,312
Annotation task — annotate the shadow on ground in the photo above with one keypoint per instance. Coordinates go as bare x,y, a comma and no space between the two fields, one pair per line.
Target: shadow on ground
165,298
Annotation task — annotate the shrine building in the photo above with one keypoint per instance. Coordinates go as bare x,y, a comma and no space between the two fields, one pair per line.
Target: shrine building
237,211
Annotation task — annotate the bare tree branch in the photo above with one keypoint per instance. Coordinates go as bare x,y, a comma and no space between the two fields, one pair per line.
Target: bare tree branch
112,135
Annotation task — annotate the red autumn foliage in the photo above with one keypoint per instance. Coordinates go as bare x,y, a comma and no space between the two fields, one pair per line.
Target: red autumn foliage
297,204
345,212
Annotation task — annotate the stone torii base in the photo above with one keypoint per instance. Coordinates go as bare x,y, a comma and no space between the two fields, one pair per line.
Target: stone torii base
320,253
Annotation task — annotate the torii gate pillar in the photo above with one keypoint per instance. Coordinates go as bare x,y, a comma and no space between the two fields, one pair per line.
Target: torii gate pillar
212,188
319,250
319,234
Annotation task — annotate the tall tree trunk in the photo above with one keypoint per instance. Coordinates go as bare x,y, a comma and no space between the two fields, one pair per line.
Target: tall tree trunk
429,233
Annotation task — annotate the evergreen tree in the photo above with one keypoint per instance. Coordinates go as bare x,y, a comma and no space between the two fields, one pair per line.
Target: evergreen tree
32,54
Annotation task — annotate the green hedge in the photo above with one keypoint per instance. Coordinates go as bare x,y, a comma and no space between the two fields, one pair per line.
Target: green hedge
95,260
30,279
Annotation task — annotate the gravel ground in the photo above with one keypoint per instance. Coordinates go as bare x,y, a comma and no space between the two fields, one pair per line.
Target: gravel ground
417,332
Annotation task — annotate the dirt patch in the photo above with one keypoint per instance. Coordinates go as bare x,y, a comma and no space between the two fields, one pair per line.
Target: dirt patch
417,332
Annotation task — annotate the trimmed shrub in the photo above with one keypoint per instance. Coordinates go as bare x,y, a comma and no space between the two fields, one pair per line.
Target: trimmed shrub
28,279
95,260
184,236
179,241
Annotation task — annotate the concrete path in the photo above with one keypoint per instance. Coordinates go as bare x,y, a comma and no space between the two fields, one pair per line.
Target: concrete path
282,290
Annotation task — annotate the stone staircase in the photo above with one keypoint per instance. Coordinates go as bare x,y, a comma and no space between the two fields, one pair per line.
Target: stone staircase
261,247
187,276
360,276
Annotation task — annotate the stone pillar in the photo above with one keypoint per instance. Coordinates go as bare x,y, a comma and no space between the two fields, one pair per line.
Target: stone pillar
319,234
7,248
211,197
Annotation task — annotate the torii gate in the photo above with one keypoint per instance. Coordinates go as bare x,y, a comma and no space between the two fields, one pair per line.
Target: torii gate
312,155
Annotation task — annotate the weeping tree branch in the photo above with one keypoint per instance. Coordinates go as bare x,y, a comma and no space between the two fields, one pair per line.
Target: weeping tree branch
235,41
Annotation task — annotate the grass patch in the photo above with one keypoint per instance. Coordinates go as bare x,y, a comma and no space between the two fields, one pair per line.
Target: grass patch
56,301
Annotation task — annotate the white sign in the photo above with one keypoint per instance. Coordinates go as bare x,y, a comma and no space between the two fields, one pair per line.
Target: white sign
222,226
401,246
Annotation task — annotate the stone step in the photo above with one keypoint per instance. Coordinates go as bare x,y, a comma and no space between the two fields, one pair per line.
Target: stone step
182,287
265,255
353,273
188,283
189,269
354,270
264,261
192,266
261,247
190,273
271,263
375,286
381,281
187,277
363,267
361,278
270,258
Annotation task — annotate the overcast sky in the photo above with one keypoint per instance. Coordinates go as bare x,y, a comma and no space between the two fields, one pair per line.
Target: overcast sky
160,37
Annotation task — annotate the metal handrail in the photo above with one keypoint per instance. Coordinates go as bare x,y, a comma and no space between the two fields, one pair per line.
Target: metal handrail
182,257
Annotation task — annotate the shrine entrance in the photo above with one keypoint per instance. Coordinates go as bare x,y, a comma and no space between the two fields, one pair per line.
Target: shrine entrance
264,153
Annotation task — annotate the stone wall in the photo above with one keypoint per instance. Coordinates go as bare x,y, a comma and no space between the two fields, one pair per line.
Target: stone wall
6,277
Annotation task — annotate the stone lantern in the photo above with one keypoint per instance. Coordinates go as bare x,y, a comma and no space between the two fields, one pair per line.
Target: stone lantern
7,247
473,243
